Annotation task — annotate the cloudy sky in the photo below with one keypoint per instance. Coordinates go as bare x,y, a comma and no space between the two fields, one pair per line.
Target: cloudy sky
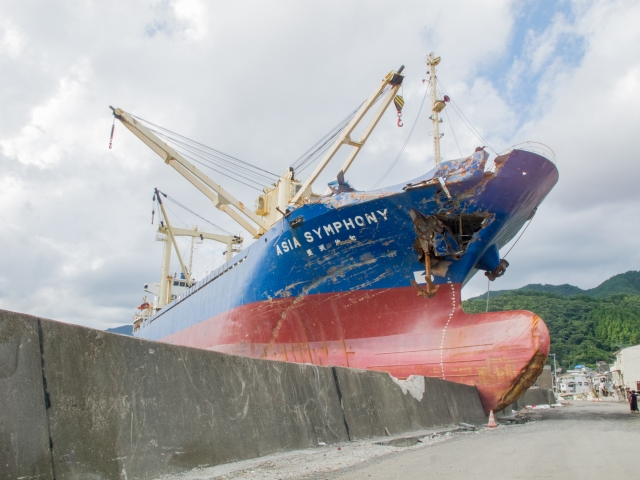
262,81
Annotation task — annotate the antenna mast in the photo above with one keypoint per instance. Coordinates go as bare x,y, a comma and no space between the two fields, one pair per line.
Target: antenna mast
437,107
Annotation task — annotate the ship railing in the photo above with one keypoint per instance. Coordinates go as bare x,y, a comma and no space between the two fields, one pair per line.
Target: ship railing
533,147
220,271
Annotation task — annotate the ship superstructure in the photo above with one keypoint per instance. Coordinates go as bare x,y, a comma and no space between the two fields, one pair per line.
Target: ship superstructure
371,279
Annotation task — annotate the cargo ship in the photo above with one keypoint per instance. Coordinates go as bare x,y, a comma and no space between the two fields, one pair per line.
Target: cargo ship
368,279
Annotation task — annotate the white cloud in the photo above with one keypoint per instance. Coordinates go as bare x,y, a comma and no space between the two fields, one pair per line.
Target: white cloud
45,139
193,13
12,40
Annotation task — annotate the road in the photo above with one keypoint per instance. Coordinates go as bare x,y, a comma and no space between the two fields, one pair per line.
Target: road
583,440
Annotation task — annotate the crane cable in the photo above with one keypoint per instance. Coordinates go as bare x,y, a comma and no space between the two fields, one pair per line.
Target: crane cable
226,165
200,217
395,161
465,120
322,145
204,146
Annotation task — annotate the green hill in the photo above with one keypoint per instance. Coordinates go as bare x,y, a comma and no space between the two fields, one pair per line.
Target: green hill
585,327
628,282
122,330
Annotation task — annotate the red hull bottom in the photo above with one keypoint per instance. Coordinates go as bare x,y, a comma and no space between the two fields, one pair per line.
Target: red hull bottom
395,330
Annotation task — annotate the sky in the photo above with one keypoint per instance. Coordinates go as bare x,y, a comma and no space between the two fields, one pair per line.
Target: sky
262,81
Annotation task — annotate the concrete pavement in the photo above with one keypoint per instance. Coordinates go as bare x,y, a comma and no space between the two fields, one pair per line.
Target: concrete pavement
584,440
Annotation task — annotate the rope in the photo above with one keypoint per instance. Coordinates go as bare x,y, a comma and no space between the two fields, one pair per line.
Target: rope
505,255
519,237
488,289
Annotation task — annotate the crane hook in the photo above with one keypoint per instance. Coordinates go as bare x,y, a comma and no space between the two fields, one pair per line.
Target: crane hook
399,103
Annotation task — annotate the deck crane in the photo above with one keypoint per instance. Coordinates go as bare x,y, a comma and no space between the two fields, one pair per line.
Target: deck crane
169,237
221,199
288,191
393,81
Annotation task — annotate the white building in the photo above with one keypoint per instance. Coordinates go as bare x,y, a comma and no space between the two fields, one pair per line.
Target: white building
575,382
626,370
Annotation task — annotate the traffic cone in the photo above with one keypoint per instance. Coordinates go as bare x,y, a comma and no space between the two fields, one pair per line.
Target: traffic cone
492,420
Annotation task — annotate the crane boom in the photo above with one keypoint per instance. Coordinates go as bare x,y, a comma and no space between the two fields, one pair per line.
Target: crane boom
169,230
221,199
272,205
394,80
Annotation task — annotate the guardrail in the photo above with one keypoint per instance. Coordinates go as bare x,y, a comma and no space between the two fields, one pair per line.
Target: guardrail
534,147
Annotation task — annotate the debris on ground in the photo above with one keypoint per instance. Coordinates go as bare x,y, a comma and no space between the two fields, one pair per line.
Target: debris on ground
330,459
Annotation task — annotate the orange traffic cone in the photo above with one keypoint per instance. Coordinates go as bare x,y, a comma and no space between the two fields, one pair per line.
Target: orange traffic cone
492,421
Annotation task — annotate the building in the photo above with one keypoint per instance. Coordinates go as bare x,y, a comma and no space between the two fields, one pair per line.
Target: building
626,369
575,382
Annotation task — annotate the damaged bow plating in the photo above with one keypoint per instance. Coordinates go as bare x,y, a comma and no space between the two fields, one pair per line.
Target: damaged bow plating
441,237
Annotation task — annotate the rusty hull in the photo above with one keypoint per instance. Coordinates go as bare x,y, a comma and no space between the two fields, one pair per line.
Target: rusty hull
342,281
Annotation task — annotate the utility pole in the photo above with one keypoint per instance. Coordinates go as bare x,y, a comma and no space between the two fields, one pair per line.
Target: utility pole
555,374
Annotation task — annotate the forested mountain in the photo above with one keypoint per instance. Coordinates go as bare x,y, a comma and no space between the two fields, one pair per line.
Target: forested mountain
628,282
585,327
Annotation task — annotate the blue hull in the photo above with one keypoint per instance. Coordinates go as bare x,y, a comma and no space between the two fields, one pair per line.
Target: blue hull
359,241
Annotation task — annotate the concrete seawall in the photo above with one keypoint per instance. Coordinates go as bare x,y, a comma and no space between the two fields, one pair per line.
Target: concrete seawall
77,403
535,396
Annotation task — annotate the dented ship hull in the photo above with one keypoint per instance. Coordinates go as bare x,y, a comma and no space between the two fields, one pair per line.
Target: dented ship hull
342,282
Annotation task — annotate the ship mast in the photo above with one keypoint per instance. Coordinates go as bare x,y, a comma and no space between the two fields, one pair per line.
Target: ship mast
437,107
